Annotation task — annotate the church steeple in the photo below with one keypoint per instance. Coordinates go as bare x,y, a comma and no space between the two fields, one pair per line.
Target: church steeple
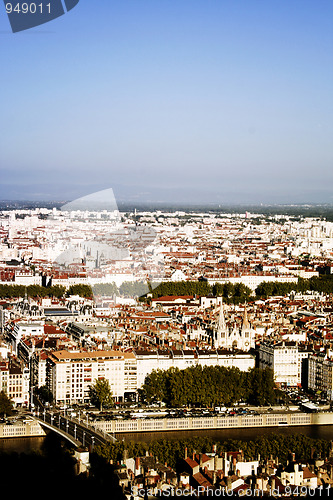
245,322
221,325
221,330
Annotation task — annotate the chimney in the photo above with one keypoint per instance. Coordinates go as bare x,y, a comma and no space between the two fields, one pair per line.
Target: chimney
185,453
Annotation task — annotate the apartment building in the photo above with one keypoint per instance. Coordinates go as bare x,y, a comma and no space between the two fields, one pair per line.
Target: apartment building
14,381
242,360
284,359
320,372
69,374
38,363
130,374
16,331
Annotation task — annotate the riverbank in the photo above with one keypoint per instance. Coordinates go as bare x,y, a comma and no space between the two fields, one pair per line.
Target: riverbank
21,429
167,425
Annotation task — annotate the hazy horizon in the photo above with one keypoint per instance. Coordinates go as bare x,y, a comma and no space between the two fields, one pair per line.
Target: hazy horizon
178,197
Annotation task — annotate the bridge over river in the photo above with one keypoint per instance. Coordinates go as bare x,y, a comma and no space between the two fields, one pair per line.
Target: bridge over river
77,432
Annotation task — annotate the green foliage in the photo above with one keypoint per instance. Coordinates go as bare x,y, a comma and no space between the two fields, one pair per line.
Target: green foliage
323,284
81,290
105,289
100,393
44,394
57,291
171,451
133,289
261,387
231,293
155,386
12,291
6,406
126,289
182,288
210,386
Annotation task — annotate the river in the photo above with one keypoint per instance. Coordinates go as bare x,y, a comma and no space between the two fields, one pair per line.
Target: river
248,434
35,444
21,445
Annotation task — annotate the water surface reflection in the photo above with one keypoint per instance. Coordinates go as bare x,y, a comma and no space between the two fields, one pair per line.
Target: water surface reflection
248,434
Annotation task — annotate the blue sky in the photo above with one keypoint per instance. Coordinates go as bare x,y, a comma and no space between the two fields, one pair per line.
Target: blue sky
220,101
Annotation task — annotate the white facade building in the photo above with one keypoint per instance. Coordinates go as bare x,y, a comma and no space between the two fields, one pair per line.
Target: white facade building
14,381
24,329
70,374
284,359
147,361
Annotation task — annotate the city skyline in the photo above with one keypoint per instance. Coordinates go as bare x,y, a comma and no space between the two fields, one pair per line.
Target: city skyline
215,102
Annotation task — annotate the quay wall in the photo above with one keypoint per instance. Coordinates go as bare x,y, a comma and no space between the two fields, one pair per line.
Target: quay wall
215,422
21,429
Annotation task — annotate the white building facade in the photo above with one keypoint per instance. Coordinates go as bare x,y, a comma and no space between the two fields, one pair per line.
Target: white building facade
284,359
70,374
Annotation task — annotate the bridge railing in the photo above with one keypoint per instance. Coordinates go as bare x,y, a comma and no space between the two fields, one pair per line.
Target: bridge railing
71,426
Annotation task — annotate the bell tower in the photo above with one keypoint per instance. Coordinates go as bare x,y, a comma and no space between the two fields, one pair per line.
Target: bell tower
246,332
221,332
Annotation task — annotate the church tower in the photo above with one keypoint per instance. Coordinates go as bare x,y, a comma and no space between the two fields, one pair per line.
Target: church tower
220,335
240,337
247,334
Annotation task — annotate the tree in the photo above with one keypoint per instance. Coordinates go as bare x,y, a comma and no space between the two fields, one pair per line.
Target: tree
100,393
154,387
81,290
6,406
210,385
261,386
45,394
105,289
